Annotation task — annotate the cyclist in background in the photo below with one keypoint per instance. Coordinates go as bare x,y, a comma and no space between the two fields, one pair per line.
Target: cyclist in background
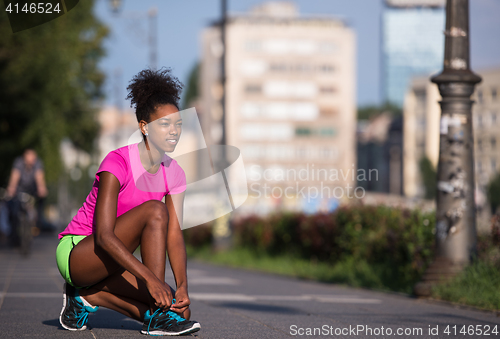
27,176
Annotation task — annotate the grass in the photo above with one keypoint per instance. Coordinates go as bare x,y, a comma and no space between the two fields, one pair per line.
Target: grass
348,272
478,285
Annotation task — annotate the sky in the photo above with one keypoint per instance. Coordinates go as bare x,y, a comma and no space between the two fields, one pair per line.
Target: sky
180,23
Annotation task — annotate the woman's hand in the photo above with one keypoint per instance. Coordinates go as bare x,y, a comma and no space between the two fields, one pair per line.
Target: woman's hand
182,301
160,293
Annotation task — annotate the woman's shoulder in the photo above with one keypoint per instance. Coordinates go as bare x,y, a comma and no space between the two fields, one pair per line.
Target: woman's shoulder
117,162
171,164
120,154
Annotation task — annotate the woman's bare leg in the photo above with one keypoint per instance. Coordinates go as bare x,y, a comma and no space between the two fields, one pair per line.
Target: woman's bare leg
112,287
135,299
144,225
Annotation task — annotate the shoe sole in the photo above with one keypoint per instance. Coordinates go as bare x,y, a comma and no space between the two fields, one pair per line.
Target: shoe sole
84,327
196,327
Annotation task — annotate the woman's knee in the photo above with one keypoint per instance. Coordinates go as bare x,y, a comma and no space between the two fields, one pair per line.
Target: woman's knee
157,212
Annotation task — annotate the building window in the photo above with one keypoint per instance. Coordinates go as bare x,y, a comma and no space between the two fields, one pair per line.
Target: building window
328,153
327,112
479,121
278,67
328,47
253,45
253,88
302,68
480,96
266,132
290,89
493,118
479,144
327,132
326,68
252,152
479,165
253,67
327,89
302,153
493,94
303,131
493,143
493,164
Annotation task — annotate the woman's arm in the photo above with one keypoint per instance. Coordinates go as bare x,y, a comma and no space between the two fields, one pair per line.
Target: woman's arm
177,250
105,238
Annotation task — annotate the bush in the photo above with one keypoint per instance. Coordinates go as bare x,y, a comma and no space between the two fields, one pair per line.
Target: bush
478,284
199,236
493,193
397,243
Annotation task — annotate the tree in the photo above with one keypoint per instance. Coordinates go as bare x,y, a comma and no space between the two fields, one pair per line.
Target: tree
493,193
192,90
49,85
367,112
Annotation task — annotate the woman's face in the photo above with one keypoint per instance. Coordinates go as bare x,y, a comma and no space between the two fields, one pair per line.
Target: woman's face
165,128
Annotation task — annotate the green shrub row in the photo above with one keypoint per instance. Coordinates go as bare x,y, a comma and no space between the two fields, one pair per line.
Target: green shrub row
396,244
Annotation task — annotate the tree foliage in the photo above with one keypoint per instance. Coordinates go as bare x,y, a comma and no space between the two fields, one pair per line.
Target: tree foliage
367,112
493,193
429,177
192,89
49,83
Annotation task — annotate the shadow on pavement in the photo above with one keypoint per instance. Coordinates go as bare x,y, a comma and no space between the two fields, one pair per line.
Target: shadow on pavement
52,322
104,319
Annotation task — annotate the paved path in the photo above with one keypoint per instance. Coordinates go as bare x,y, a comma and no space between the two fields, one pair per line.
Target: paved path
230,303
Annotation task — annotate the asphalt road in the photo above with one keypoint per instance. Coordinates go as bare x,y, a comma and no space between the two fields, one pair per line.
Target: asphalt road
232,303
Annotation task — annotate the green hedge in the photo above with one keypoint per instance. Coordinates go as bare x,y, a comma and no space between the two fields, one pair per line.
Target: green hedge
479,283
393,246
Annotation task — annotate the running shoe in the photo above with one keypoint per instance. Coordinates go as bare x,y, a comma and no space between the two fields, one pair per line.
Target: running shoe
74,313
167,323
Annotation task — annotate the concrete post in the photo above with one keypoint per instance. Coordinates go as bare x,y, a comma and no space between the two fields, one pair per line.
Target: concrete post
455,213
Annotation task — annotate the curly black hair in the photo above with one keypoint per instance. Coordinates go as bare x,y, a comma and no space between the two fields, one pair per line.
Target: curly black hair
150,89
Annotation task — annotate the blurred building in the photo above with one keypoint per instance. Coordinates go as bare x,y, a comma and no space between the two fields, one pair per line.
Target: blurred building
290,96
412,43
422,125
486,112
116,128
380,149
421,113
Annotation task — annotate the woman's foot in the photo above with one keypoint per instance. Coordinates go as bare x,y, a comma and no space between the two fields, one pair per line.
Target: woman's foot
74,313
167,323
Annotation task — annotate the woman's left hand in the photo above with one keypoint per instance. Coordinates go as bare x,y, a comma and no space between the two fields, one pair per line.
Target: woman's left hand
182,301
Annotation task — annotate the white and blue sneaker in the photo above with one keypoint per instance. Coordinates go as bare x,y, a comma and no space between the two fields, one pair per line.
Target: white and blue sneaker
74,313
167,323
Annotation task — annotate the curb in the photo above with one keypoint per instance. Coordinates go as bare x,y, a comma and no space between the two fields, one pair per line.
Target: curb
458,305
393,293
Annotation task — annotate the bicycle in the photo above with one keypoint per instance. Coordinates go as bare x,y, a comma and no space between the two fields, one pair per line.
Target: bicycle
23,204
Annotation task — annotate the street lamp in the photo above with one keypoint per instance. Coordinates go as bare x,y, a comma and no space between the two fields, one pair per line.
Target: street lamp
115,5
455,209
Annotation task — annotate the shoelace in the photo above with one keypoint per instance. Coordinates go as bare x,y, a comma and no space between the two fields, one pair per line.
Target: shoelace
171,315
82,318
157,312
175,316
